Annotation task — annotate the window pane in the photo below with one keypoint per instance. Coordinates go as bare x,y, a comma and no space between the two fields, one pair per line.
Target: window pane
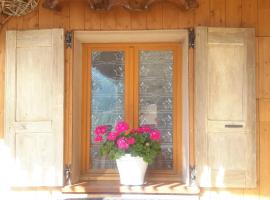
107,103
156,100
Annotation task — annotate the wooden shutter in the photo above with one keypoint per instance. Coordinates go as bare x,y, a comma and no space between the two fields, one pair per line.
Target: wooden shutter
225,108
34,100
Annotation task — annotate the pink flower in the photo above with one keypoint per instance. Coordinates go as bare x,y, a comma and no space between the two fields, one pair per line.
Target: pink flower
155,135
98,138
121,126
100,130
131,140
112,136
146,128
122,143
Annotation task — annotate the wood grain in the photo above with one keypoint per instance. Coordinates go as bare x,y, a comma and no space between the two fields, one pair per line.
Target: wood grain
249,13
154,17
170,16
233,13
92,19
217,12
263,18
202,13
264,67
77,14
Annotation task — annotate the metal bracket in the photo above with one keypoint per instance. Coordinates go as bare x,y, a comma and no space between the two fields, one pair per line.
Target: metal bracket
68,39
191,38
67,174
192,170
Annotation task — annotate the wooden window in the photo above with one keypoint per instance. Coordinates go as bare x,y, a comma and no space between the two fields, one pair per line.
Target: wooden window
138,83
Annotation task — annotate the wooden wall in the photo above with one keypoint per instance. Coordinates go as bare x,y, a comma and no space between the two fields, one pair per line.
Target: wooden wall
75,15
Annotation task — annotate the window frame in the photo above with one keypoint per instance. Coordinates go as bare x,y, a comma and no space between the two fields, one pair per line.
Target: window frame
131,105
74,91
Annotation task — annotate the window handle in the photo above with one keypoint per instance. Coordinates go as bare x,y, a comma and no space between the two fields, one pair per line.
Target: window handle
233,125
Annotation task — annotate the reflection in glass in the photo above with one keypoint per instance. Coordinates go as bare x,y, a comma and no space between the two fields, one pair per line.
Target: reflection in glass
107,92
156,100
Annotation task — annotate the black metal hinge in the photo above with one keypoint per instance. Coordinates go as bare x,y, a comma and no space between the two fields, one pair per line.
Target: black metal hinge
191,38
68,39
192,171
67,174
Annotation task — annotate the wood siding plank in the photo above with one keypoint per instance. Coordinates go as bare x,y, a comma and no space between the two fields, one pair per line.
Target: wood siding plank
45,17
138,20
154,17
92,19
123,19
77,14
108,20
217,12
264,67
264,163
249,13
170,16
202,13
263,17
233,13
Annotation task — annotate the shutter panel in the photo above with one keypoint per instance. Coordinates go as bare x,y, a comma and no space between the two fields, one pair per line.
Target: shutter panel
225,108
34,100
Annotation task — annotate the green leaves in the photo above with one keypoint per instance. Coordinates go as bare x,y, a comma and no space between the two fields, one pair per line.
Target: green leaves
143,147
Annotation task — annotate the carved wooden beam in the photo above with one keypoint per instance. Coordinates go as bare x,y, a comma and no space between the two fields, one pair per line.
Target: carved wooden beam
139,5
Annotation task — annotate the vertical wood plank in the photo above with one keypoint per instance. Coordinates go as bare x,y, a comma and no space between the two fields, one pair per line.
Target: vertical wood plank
108,20
170,16
186,19
264,67
77,15
233,13
61,18
123,19
201,15
217,12
264,160
263,17
12,23
264,110
92,19
154,17
45,17
138,20
30,21
249,13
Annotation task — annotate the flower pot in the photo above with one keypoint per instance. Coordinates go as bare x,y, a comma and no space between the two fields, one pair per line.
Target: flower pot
131,170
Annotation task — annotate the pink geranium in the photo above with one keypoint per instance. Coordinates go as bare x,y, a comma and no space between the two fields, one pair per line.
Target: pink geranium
122,143
121,126
100,130
112,135
155,135
131,140
98,138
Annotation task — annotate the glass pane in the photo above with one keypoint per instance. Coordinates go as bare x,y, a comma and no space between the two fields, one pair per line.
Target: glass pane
156,100
107,103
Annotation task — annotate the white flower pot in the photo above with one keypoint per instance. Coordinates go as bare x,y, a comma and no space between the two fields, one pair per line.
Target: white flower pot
131,170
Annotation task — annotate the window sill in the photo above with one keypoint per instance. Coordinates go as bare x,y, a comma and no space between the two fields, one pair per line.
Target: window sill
114,187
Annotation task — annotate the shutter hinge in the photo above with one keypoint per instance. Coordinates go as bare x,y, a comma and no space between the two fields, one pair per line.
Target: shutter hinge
191,38
192,171
68,39
67,174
